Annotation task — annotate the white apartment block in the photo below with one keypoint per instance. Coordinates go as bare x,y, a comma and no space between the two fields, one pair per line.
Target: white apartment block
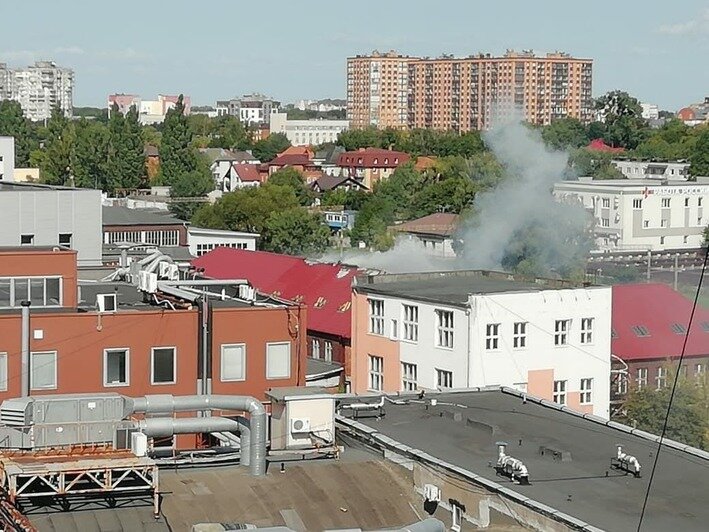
468,329
650,111
307,132
39,88
638,215
670,170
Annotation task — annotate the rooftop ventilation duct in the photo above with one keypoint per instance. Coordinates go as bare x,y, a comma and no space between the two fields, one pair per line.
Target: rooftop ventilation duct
626,462
510,467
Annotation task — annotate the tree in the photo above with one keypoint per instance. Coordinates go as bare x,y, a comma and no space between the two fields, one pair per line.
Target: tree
296,232
596,164
267,149
56,158
565,133
354,139
195,184
14,124
373,221
91,151
624,124
228,132
177,157
699,157
290,177
125,168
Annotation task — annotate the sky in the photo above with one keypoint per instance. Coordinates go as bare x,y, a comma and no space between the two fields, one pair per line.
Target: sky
291,50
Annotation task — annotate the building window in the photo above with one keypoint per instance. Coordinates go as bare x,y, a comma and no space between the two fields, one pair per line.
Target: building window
586,330
394,329
444,319
457,518
411,323
637,204
408,377
315,348
605,222
698,370
43,370
646,224
641,378
444,379
606,203
699,202
492,336
559,396
561,332
376,316
622,384
278,361
27,240
162,367
41,291
65,239
116,367
661,379
328,351
376,373
519,338
662,240
666,203
3,372
233,362
686,202
586,390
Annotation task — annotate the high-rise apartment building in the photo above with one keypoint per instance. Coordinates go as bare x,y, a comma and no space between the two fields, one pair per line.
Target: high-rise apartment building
39,88
462,94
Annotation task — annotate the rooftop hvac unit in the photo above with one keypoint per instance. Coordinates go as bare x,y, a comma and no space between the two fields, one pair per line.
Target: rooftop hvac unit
247,292
16,412
432,493
106,302
139,444
300,425
148,282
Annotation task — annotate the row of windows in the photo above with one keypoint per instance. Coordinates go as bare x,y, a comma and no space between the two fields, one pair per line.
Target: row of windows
40,291
444,328
169,238
206,248
585,396
642,377
666,203
409,376
163,365
315,349
63,239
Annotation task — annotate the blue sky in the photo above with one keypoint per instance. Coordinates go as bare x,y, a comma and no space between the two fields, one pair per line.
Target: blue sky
213,49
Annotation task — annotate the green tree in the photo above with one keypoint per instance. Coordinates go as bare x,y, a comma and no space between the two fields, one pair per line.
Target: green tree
290,177
91,151
195,184
125,168
584,162
624,124
295,231
14,124
267,149
565,133
177,157
699,157
372,223
354,139
56,158
228,132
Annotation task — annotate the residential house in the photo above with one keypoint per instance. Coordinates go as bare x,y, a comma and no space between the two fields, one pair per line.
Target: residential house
466,329
326,183
303,162
371,165
434,231
222,163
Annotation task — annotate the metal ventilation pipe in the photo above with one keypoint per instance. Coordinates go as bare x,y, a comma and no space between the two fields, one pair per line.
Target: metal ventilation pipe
168,404
25,357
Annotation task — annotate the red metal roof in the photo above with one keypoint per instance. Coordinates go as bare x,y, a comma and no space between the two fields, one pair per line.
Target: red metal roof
664,314
247,172
324,288
372,158
291,160
599,145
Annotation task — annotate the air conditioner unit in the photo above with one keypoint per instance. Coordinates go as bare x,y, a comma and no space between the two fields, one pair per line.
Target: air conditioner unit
432,493
106,302
148,282
300,425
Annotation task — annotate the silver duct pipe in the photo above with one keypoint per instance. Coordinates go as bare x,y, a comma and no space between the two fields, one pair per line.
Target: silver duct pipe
244,441
168,404
25,357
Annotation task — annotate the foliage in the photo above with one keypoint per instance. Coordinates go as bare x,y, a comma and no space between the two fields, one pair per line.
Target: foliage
373,221
699,156
177,156
292,178
14,124
266,150
565,133
623,122
597,164
91,154
194,184
307,114
57,157
100,114
228,132
416,141
349,199
125,166
295,231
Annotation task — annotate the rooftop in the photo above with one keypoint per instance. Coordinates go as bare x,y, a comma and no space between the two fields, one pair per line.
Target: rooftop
452,287
464,427
372,158
20,186
439,224
116,215
627,183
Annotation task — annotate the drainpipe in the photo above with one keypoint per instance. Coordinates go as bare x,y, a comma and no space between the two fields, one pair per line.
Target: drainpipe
25,348
203,348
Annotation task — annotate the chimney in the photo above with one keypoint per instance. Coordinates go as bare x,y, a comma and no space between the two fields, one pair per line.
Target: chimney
25,348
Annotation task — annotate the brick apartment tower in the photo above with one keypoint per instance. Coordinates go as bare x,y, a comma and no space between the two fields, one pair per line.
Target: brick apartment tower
462,94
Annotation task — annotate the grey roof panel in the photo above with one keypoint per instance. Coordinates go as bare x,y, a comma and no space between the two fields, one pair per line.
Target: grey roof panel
116,215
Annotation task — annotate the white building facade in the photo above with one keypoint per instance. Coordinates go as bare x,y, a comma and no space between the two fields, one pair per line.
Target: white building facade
7,159
671,170
308,132
203,241
39,88
552,343
640,215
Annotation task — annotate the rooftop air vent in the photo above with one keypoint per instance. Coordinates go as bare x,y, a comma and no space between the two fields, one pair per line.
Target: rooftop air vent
300,425
106,302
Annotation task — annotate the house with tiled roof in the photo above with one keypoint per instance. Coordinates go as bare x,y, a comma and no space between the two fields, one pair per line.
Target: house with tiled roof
324,288
325,183
650,322
371,165
222,163
434,231
303,162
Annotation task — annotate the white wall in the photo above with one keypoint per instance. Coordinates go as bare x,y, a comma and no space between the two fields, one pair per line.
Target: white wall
201,241
7,159
307,132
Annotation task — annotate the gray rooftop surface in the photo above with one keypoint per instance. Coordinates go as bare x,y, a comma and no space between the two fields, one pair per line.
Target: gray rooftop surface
117,215
318,366
449,287
680,493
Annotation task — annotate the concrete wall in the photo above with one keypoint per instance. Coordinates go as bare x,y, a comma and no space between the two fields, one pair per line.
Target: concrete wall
7,159
47,213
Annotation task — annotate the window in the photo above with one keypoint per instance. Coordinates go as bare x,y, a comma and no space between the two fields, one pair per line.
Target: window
606,203
666,203
3,372
586,391
65,239
328,351
43,370
605,222
519,338
162,367
41,291
278,360
586,330
637,204
376,373
492,336
444,319
315,348
233,362
411,323
678,328
376,316
662,240
622,384
646,224
559,395
698,370
444,379
686,202
561,332
457,518
641,378
640,330
699,202
661,379
394,329
27,240
664,222
408,377
116,367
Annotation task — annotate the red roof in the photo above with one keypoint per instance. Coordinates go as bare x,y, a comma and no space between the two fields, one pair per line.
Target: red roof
650,320
247,172
599,145
372,158
439,223
324,288
291,160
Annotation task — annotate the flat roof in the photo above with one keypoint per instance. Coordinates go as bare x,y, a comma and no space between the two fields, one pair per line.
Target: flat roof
117,215
452,287
35,249
18,185
625,183
303,392
463,429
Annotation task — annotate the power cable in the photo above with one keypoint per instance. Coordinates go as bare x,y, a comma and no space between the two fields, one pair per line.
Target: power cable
674,389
